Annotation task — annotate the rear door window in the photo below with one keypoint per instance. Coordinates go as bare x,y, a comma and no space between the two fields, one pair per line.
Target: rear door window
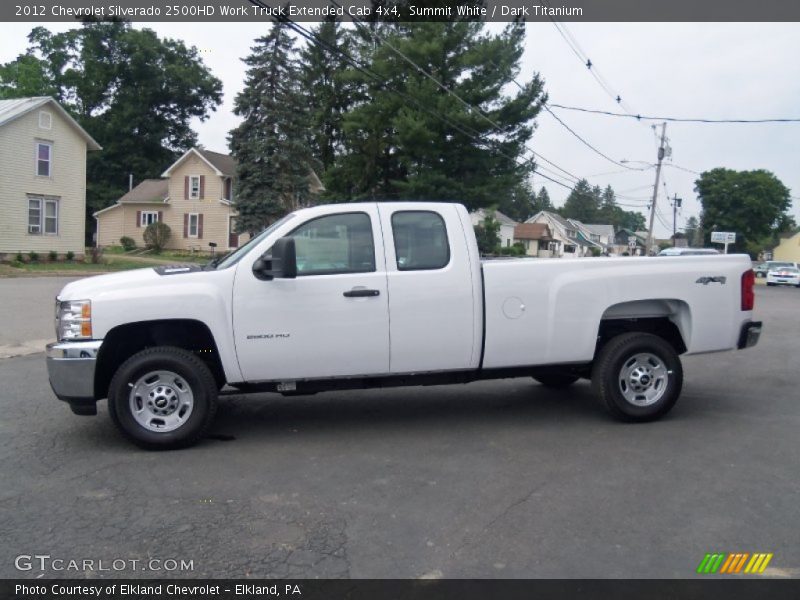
420,240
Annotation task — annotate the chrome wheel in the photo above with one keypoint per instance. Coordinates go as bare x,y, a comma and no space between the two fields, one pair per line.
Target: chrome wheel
643,379
161,401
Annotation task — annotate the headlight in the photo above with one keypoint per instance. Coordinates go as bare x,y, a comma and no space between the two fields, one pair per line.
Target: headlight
74,319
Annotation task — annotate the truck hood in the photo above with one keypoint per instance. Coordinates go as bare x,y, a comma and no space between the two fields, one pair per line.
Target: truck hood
92,287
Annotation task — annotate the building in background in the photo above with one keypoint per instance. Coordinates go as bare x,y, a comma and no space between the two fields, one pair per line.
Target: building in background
42,178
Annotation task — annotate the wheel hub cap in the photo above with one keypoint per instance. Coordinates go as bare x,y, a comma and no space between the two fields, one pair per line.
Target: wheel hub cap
643,379
161,401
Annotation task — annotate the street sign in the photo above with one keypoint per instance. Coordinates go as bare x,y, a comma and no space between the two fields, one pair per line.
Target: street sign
723,237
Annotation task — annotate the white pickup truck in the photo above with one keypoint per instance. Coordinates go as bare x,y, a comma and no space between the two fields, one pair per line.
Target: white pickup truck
370,295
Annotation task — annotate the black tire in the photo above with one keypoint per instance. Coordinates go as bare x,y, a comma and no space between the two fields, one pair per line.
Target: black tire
191,370
770,284
556,380
620,354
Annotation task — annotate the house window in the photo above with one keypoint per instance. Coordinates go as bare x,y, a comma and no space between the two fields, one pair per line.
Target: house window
228,189
42,216
44,158
194,220
194,187
148,217
45,120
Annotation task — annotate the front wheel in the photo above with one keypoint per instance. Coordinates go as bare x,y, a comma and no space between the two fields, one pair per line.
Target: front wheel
638,376
163,398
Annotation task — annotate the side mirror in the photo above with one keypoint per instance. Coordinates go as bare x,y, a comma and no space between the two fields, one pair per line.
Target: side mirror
280,261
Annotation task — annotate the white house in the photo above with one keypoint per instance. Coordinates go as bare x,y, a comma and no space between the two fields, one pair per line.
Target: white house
42,178
507,225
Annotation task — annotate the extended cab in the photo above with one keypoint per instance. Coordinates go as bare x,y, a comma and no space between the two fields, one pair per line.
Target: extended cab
369,295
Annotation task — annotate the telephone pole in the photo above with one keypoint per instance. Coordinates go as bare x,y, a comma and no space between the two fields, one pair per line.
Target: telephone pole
649,246
676,203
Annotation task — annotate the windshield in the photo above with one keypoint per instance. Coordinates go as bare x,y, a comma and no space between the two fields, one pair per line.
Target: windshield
234,257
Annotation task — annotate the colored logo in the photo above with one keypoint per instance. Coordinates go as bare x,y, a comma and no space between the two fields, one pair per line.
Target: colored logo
734,562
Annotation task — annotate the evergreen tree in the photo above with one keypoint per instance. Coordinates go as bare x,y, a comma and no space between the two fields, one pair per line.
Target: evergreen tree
325,83
407,138
274,160
693,233
583,203
608,207
541,201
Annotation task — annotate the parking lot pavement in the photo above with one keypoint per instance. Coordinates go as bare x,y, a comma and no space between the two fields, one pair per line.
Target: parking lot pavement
26,311
493,479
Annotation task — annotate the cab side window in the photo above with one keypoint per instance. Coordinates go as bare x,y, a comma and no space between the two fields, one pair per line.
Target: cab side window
340,243
420,241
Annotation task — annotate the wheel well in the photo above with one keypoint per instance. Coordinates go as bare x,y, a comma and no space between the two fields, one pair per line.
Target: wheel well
124,341
663,327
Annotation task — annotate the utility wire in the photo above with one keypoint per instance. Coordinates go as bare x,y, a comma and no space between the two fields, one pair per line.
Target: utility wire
672,119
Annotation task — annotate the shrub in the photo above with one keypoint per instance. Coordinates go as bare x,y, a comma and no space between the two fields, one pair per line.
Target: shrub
97,255
127,243
34,256
52,256
19,258
70,256
156,236
17,264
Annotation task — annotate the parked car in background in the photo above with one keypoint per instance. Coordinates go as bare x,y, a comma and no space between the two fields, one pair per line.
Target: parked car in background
762,269
687,251
784,276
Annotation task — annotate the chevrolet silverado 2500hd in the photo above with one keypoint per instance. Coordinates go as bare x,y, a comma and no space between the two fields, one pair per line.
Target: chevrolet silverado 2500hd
369,295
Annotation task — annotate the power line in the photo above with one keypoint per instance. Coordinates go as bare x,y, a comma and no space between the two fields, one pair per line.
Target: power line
639,117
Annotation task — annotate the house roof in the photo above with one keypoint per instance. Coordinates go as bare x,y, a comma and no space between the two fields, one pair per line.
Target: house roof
148,191
222,164
501,218
532,231
17,107
607,230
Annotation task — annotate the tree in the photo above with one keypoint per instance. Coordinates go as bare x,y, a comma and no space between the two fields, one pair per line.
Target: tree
131,91
583,203
488,234
323,79
156,236
271,145
694,235
753,204
541,201
408,136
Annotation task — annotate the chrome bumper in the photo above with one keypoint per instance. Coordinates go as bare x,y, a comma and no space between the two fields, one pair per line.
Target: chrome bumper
70,366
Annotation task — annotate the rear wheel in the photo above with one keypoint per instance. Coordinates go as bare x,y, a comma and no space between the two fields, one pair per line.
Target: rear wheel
163,398
638,376
556,380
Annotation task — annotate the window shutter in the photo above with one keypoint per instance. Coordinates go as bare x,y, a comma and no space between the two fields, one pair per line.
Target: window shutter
138,218
160,216
200,226
186,188
186,225
202,186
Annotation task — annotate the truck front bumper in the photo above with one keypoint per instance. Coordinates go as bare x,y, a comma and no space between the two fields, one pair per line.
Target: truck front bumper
70,367
749,335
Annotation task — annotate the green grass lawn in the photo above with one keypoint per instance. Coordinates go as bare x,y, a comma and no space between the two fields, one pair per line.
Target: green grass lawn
109,264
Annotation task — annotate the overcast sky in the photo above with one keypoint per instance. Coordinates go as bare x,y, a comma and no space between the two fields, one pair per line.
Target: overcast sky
718,71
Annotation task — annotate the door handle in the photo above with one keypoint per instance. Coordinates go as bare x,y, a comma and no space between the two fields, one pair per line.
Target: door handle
361,293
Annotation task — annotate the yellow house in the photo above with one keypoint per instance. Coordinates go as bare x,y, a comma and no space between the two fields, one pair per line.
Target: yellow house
788,249
42,178
194,198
